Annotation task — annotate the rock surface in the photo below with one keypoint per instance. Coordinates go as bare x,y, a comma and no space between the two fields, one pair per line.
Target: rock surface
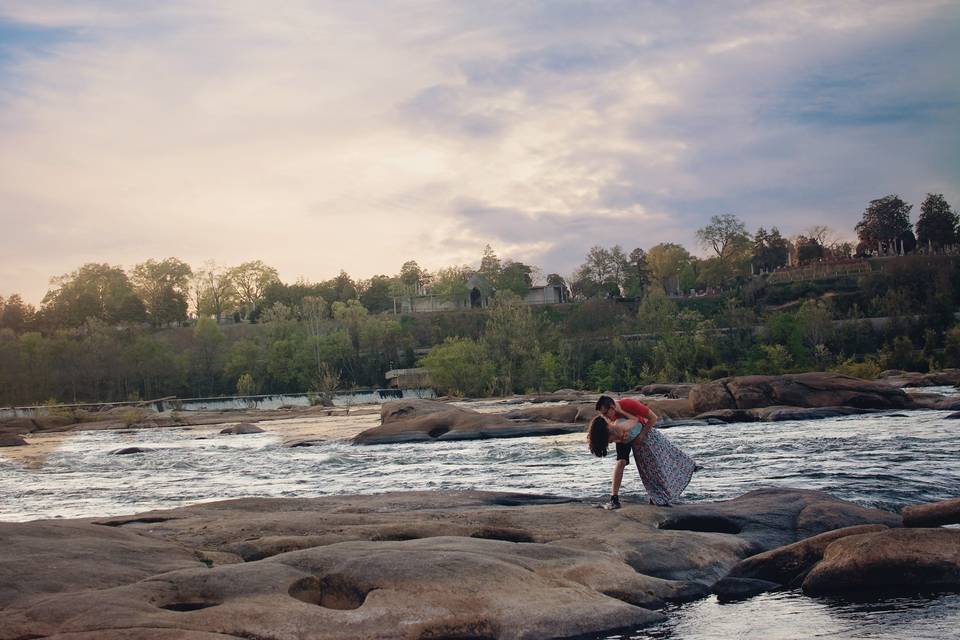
429,420
896,559
933,514
242,429
739,588
809,390
788,564
401,565
126,451
11,440
942,378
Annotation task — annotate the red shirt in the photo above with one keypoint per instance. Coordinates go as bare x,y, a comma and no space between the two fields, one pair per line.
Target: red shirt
636,408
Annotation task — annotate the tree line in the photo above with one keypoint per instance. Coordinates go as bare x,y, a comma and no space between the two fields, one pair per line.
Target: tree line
103,333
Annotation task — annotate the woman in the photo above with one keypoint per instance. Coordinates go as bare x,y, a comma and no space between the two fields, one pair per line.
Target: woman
664,469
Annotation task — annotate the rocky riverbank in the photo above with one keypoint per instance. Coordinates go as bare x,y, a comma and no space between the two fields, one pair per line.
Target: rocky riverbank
435,564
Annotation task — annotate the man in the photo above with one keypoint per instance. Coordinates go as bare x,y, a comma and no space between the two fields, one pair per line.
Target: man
631,409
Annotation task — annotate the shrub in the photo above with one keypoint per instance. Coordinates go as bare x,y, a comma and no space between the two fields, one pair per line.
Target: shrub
869,369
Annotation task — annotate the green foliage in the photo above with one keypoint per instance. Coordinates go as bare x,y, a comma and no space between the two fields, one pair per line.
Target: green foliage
869,369
937,224
600,376
886,219
460,367
97,291
511,339
246,386
772,359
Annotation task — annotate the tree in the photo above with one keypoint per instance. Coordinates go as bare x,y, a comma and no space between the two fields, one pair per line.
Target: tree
667,261
514,277
460,367
208,340
93,291
726,236
887,221
770,250
375,294
937,224
450,283
511,339
809,250
214,293
637,276
163,288
250,281
600,273
489,264
15,315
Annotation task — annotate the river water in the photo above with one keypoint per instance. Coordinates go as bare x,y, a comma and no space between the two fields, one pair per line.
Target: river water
885,460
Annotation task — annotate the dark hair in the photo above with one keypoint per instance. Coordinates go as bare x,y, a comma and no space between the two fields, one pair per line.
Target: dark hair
604,403
597,436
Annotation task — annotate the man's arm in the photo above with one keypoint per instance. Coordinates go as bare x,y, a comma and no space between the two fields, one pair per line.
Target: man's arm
648,425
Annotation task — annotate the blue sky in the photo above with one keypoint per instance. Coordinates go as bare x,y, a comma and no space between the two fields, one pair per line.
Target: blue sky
320,136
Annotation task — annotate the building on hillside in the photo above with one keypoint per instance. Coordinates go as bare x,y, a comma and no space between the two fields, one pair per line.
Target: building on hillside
479,295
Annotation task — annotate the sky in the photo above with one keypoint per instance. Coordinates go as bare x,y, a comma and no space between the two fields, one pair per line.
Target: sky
320,136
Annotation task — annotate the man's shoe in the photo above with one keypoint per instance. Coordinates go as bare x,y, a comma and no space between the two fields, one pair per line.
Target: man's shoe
613,503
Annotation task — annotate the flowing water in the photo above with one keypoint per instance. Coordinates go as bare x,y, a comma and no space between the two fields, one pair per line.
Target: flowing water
885,460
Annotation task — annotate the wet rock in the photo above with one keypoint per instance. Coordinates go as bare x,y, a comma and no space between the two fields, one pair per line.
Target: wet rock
11,440
953,416
728,415
242,429
934,514
427,420
730,589
942,378
126,451
433,564
810,390
893,560
680,390
785,565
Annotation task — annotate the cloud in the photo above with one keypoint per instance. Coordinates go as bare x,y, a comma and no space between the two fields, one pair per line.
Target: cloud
321,136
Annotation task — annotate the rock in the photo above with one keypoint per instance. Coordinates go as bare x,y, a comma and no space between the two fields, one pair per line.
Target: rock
47,423
11,440
783,414
679,390
50,557
416,564
16,426
785,565
428,420
953,416
728,415
126,451
933,514
809,390
730,589
893,560
942,378
567,413
242,429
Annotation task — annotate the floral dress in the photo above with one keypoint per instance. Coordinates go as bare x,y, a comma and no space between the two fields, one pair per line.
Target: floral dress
664,469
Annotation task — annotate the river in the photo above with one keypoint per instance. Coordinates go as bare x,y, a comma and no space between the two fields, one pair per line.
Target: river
885,460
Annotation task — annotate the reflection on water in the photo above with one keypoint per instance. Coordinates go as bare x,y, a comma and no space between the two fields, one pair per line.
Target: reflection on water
790,615
880,460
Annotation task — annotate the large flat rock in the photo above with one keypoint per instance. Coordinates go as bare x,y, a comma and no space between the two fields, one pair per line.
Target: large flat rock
809,390
398,565
897,559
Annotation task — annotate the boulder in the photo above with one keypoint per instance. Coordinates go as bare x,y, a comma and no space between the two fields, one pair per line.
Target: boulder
17,426
892,560
680,390
730,589
933,514
942,378
429,420
809,390
785,565
126,451
242,429
11,440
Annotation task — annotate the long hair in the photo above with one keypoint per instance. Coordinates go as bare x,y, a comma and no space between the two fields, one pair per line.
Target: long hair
597,436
